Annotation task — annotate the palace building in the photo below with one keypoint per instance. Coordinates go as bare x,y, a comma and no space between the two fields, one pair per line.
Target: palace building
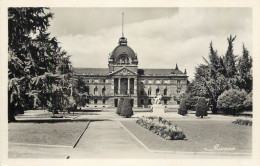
123,78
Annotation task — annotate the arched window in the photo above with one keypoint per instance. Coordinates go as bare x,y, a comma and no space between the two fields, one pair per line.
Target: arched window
157,90
165,91
103,90
123,59
149,91
95,91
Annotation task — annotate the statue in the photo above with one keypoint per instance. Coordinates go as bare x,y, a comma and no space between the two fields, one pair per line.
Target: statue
158,99
157,106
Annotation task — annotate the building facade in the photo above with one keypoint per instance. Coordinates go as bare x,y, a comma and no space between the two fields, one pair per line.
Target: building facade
104,86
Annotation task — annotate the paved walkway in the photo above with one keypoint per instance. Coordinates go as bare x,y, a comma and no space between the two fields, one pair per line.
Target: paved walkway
107,139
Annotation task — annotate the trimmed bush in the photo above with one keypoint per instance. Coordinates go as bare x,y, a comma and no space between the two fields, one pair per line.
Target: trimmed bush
201,107
182,109
161,127
243,122
232,101
126,109
119,107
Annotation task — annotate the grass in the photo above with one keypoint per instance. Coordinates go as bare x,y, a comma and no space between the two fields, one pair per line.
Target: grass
62,133
200,135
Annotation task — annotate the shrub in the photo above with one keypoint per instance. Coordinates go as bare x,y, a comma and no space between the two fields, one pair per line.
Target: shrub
119,107
161,127
126,109
243,122
232,101
182,109
201,107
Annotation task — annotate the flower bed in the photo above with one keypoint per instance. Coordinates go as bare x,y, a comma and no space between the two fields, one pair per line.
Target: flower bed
243,122
161,127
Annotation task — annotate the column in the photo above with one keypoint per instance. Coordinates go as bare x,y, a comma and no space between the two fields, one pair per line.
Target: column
119,86
128,86
112,85
135,86
135,93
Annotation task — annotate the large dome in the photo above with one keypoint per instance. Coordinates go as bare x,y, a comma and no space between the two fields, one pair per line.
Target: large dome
123,51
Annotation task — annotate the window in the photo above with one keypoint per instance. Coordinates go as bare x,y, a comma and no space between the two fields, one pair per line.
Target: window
142,101
123,59
96,81
165,91
178,102
104,101
103,91
178,82
132,102
104,81
165,101
149,101
157,90
95,101
149,92
142,92
95,91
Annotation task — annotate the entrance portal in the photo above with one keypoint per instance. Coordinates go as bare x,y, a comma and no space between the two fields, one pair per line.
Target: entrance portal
123,86
116,101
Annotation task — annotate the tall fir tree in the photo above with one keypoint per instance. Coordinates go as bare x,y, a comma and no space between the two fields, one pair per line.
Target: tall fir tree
244,67
34,59
230,59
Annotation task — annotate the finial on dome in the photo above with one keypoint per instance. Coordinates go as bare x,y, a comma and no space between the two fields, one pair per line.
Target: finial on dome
176,68
185,72
122,40
123,24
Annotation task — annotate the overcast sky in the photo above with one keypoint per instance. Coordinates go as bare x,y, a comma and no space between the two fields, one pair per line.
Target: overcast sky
161,37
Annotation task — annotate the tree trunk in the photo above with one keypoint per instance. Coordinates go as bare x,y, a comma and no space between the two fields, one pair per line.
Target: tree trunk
201,116
214,108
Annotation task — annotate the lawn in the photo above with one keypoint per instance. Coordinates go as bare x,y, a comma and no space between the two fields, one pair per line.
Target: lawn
200,134
62,133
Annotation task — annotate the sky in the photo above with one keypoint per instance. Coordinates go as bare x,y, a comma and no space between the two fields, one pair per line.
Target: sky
161,37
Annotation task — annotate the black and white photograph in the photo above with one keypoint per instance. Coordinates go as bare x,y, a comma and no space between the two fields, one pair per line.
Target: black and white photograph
144,83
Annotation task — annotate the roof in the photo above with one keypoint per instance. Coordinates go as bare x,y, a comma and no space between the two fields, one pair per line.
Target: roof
123,49
158,71
105,71
94,71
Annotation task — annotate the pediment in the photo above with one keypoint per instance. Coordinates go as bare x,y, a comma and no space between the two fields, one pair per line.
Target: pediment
124,72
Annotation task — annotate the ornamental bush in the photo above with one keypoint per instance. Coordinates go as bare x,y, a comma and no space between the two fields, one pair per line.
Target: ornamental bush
232,101
119,107
161,127
243,122
126,109
201,107
182,109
